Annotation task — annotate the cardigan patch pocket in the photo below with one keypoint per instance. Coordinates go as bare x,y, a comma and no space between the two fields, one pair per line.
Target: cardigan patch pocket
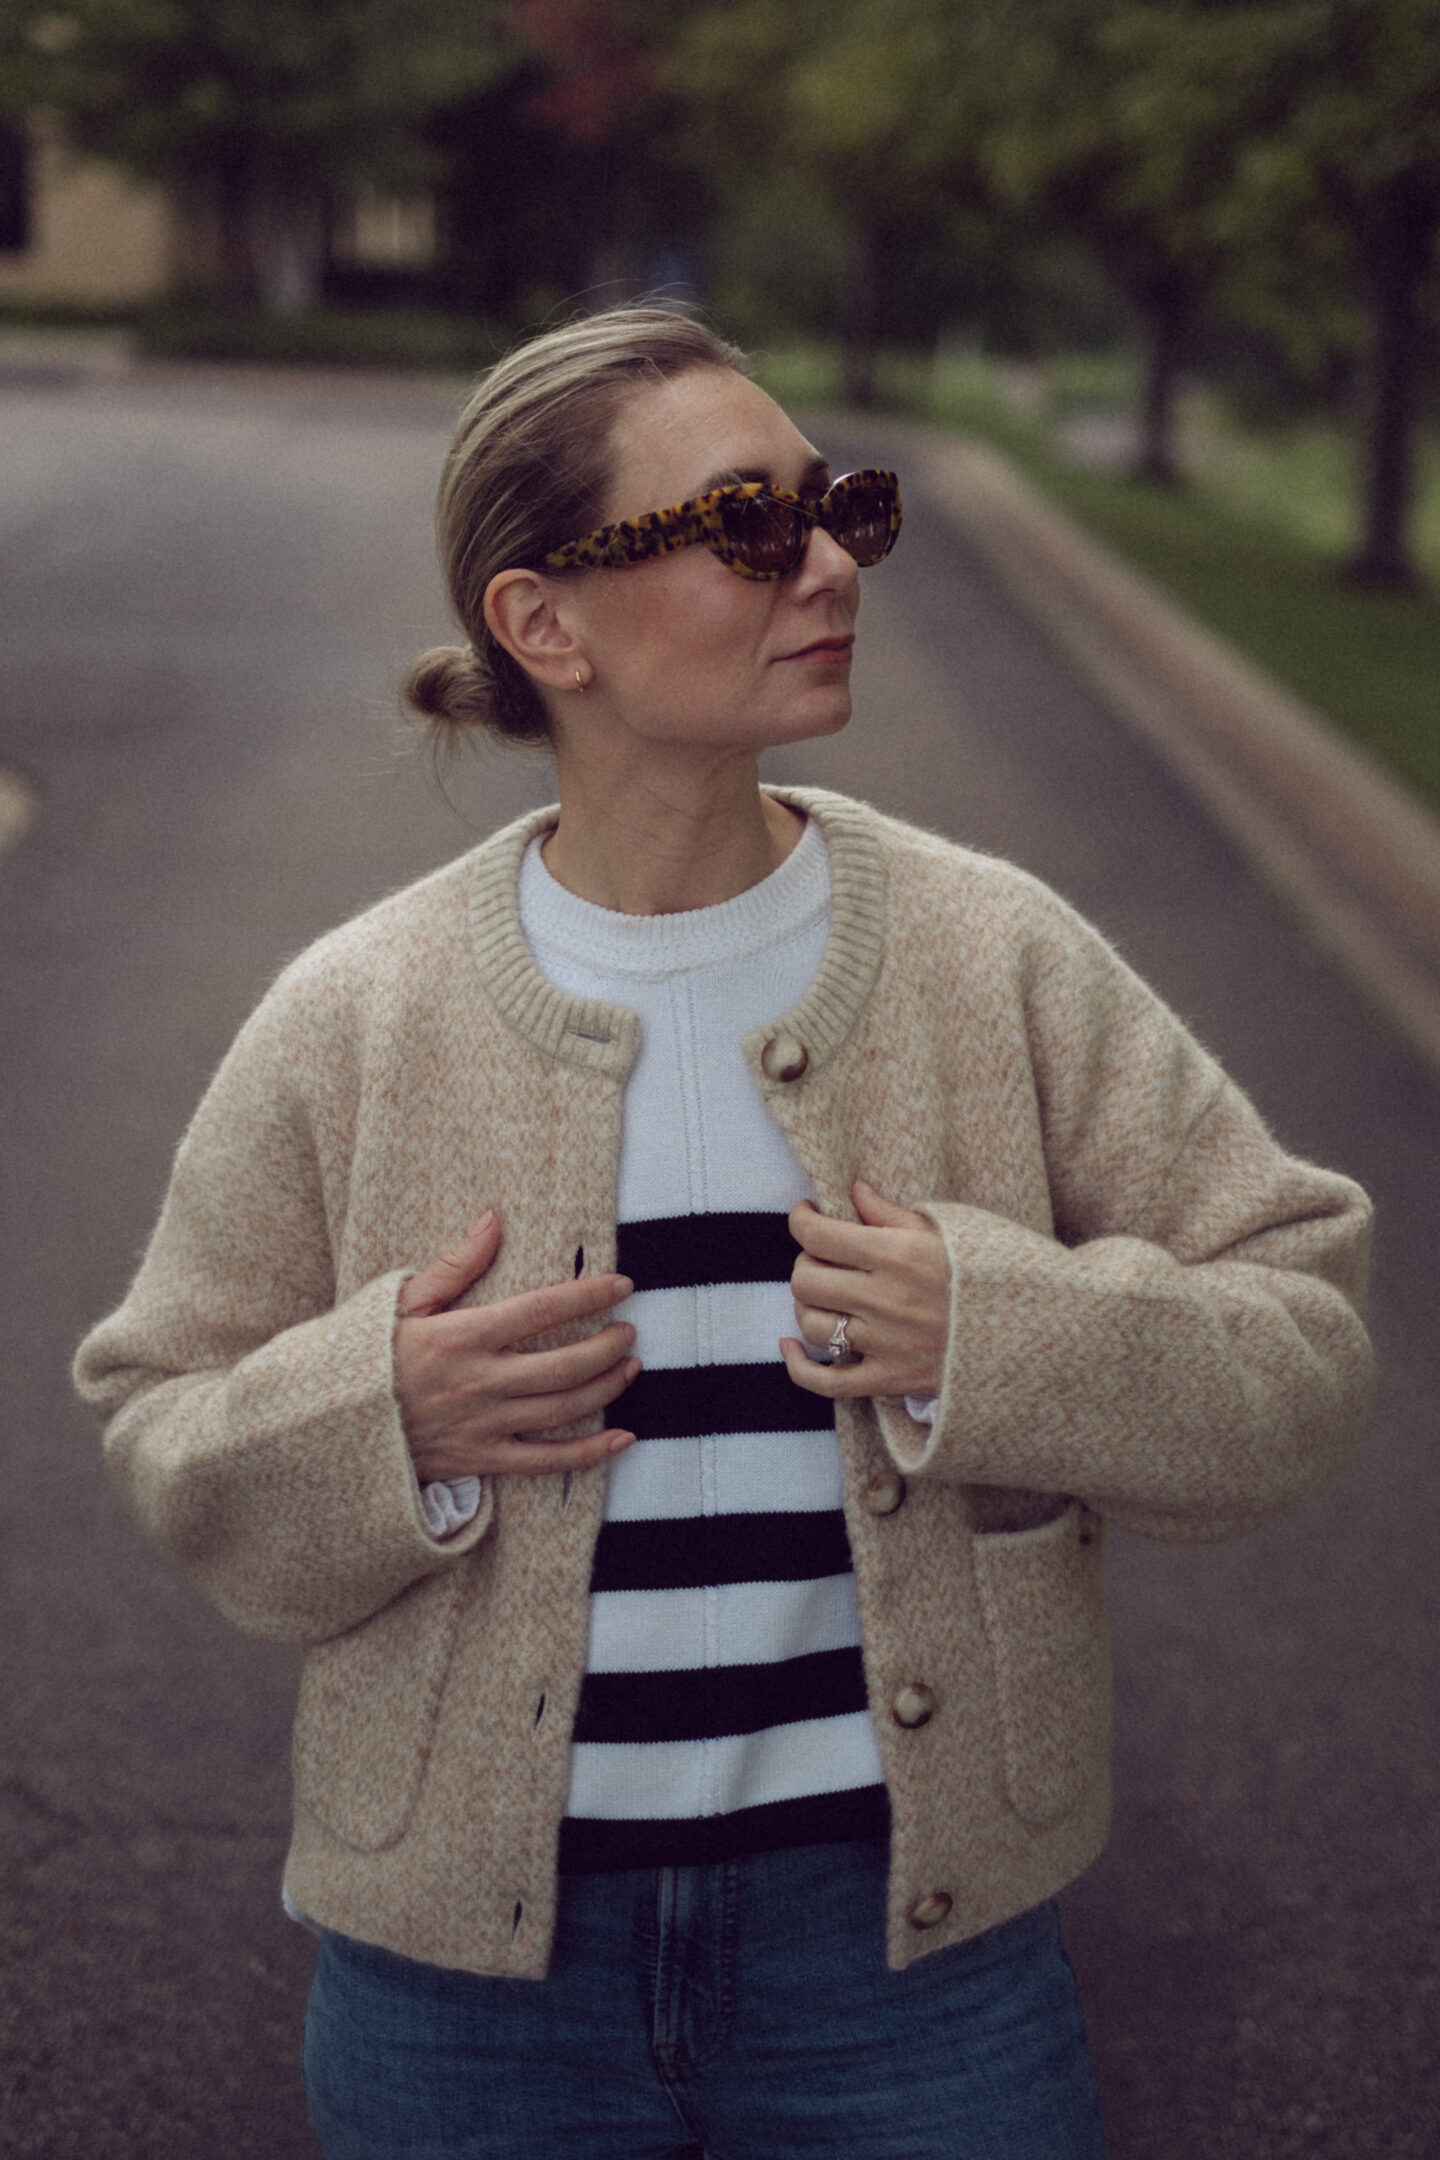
1042,1600
356,1769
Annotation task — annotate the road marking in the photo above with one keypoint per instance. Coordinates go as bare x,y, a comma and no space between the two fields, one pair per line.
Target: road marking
17,808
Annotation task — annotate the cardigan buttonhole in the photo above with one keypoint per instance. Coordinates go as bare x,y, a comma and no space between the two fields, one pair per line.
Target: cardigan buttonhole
579,1260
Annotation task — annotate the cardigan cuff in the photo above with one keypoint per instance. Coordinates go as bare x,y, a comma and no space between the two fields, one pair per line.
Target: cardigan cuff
449,1504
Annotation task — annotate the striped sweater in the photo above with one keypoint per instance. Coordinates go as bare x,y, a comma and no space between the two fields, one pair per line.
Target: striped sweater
724,1704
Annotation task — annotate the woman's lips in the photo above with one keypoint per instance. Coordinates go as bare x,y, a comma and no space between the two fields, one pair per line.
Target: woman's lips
834,648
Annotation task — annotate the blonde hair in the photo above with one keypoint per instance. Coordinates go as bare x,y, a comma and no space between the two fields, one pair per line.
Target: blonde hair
529,469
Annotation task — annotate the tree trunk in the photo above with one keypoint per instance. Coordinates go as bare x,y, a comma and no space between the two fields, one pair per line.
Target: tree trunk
272,237
859,316
1397,239
292,252
238,215
1165,314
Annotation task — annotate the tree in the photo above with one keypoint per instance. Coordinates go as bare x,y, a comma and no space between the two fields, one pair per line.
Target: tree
256,108
594,124
1131,166
1340,104
859,109
971,119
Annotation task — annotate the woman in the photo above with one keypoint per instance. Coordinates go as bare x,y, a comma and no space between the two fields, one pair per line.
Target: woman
691,1743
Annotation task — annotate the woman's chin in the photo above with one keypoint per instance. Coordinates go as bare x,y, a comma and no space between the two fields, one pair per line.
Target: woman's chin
814,716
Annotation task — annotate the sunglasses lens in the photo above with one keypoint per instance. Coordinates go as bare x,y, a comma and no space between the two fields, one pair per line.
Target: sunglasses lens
861,519
765,535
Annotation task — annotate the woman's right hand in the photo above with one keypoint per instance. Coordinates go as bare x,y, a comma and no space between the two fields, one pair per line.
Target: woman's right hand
468,1397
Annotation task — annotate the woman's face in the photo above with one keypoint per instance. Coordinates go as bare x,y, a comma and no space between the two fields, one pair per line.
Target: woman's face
684,650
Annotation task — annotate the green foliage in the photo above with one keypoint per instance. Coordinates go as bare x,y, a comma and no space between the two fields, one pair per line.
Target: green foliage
315,87
848,142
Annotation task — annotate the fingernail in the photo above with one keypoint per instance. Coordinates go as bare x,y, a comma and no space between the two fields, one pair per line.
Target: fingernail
627,1331
632,1367
486,1219
623,1287
621,1440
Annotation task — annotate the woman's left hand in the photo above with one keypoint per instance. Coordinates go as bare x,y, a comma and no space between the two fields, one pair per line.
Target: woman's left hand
889,1275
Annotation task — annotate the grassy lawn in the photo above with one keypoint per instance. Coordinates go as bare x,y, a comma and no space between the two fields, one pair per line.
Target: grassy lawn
1370,661
1252,545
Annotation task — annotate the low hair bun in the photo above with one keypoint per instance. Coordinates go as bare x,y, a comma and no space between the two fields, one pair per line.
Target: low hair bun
458,689
451,687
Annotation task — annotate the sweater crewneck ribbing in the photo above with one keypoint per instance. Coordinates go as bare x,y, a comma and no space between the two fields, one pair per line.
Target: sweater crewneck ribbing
792,899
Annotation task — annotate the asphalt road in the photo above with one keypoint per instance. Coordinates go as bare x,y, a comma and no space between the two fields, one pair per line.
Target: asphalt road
210,589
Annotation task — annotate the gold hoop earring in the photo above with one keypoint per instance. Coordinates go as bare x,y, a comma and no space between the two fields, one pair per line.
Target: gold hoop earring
579,682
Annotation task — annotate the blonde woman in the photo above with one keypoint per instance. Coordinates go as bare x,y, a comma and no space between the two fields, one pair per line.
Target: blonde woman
664,1309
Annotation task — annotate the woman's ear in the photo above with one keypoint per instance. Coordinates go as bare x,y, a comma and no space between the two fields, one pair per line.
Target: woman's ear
522,613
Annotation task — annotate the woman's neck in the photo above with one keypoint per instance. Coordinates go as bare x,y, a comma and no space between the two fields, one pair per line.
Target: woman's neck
676,840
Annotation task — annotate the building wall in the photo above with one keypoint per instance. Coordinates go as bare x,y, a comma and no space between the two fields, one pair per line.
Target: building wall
93,235
97,236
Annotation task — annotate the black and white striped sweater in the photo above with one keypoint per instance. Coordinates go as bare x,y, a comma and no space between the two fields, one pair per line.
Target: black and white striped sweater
723,1709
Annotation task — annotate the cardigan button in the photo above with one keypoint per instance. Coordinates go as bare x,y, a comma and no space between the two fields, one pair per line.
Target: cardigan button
928,1912
913,1706
885,1493
784,1058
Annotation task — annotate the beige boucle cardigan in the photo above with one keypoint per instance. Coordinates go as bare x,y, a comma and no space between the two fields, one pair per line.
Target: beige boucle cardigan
1155,1323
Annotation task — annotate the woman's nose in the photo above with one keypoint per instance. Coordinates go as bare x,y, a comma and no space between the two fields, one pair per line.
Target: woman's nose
825,562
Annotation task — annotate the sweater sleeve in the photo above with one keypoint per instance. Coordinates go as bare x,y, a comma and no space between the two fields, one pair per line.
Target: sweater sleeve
1186,1352
250,1419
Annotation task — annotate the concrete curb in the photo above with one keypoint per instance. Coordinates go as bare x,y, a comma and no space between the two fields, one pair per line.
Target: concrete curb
1346,846
46,357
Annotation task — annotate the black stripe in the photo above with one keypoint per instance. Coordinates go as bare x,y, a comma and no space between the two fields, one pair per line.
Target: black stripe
708,1702
588,1847
683,1552
676,1252
693,1399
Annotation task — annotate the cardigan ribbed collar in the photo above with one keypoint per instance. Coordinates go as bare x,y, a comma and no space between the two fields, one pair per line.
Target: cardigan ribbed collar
606,1038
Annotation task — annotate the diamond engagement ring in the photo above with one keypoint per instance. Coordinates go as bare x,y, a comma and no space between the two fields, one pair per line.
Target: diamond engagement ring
839,1343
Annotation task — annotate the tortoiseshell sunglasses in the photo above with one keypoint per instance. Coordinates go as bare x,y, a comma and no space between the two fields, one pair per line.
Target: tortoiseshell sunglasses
755,529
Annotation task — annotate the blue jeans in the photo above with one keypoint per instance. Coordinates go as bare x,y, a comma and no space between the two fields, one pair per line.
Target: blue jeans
744,2010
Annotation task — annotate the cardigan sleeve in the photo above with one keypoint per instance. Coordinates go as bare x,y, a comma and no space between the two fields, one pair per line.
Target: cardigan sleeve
1185,1352
251,1420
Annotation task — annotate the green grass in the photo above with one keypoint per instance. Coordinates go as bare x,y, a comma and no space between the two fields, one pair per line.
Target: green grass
61,315
1253,545
1301,480
1370,661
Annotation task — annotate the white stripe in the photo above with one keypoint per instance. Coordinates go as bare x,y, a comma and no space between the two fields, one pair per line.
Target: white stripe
724,1624
710,1324
732,1474
668,1779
